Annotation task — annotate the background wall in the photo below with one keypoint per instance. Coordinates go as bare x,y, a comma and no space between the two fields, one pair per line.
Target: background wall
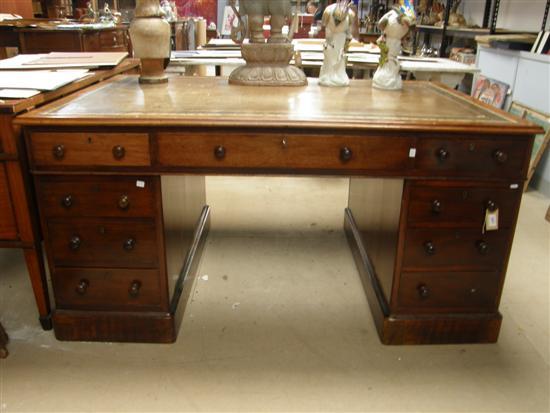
524,15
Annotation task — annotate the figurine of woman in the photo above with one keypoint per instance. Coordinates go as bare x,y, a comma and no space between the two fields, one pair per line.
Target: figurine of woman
166,7
340,22
394,25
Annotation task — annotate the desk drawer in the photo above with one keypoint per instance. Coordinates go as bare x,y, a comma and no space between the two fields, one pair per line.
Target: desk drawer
107,289
275,151
431,205
112,40
109,196
88,242
449,291
89,149
455,248
502,158
8,227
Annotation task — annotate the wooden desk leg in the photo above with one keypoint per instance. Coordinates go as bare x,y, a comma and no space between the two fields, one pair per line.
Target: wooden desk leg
3,343
35,267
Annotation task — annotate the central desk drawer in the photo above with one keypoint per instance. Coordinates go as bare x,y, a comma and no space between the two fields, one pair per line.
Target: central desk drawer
455,248
277,151
84,196
107,289
104,243
89,149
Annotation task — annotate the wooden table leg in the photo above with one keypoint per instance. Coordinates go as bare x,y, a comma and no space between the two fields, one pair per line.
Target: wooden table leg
3,343
35,267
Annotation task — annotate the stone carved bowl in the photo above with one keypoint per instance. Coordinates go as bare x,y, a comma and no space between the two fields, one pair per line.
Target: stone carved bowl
258,53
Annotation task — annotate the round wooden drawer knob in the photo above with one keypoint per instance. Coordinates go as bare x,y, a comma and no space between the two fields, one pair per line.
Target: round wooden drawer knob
67,201
129,244
134,288
423,291
119,152
219,152
429,247
500,156
443,154
345,154
75,243
436,206
491,205
124,202
58,152
482,247
82,286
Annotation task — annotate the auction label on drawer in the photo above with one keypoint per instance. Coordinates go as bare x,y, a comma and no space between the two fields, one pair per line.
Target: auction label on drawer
140,184
491,221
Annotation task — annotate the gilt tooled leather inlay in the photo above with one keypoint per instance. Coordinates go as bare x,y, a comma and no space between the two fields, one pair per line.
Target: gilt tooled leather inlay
211,100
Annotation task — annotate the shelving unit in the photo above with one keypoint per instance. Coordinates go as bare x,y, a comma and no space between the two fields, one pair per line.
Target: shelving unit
490,16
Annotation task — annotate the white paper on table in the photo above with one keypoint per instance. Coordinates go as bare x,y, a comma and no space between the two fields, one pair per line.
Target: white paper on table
39,79
63,60
18,93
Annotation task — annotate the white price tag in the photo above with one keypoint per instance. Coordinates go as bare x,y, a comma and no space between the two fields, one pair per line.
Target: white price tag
412,153
140,184
491,220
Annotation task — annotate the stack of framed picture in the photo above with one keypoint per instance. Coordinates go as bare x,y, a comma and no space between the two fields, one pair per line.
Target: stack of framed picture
490,91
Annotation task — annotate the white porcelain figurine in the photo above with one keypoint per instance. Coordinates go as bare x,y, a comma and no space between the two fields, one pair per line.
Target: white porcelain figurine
340,22
394,25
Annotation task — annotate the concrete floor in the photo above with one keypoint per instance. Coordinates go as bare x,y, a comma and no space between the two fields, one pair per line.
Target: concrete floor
281,324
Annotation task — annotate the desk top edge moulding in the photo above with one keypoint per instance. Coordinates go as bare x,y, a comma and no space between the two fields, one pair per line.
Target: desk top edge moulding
430,230
267,63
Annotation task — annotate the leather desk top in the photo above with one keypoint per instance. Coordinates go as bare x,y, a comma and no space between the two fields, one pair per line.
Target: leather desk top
211,101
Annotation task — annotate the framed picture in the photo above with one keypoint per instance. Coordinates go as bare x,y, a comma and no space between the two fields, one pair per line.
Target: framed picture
490,91
541,141
228,20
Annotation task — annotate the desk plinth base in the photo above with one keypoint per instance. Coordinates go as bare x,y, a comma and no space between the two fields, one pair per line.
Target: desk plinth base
416,329
110,326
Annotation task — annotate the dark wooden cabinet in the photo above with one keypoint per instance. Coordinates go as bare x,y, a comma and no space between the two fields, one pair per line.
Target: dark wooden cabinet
426,166
45,40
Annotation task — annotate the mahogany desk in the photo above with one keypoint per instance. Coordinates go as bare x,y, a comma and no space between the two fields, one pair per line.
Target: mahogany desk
426,164
18,220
